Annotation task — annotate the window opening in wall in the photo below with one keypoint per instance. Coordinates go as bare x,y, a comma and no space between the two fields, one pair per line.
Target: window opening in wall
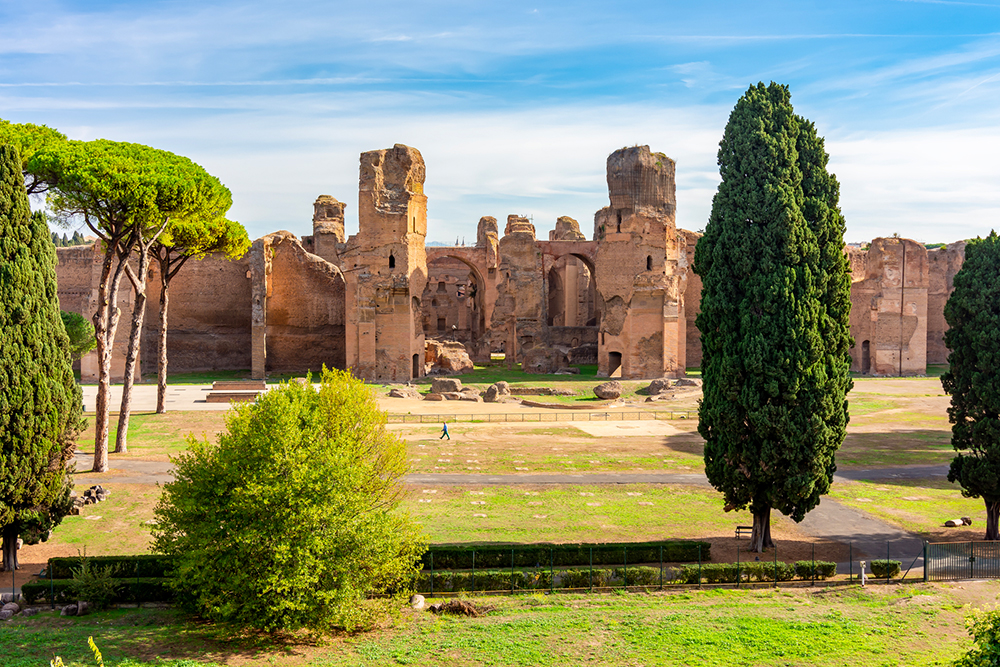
614,364
649,262
441,287
866,357
442,324
619,214
416,366
392,261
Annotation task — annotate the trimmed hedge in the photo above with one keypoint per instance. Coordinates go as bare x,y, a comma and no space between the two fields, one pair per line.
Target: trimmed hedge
500,580
564,555
726,573
144,565
143,589
881,566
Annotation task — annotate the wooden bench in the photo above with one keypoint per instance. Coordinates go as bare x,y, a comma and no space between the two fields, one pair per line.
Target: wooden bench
740,530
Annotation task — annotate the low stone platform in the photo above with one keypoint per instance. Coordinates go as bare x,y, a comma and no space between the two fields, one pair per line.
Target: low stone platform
230,396
239,385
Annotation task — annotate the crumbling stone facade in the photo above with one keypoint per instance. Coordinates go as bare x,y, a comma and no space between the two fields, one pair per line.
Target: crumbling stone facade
625,300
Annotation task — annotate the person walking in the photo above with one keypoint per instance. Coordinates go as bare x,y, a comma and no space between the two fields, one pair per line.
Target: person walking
444,432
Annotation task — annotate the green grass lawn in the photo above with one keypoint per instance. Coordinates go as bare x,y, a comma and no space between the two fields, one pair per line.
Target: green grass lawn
918,447
920,506
512,448
571,513
156,437
874,627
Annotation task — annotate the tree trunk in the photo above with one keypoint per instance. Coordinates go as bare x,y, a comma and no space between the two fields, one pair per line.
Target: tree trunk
992,519
760,539
161,366
132,358
10,532
105,325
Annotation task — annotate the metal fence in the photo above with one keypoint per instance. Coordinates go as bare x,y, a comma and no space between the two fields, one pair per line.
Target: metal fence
562,416
962,560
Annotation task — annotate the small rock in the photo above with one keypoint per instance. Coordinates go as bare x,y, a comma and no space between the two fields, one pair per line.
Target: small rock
82,608
954,523
471,397
967,520
453,395
29,612
609,390
687,382
491,395
417,601
68,610
6,597
6,615
11,607
658,386
433,397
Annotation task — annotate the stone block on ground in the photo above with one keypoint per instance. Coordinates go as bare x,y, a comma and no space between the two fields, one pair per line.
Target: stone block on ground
417,601
449,357
6,615
688,382
405,391
658,386
442,385
954,523
29,612
452,395
11,606
68,610
433,397
609,390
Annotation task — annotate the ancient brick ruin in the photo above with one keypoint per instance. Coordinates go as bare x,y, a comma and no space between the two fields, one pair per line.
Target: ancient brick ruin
625,300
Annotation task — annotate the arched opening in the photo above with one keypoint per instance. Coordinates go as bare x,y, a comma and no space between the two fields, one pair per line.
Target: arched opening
456,293
649,262
557,300
392,261
572,292
866,358
416,366
614,364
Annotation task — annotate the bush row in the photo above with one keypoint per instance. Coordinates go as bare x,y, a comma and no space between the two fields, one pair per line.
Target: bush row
143,589
144,565
883,568
500,580
728,573
563,555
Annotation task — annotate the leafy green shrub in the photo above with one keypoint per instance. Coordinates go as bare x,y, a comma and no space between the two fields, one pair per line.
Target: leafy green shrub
292,520
883,568
984,626
95,583
823,569
484,580
725,573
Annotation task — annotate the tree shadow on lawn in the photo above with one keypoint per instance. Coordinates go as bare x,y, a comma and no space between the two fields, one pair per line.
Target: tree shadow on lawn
896,448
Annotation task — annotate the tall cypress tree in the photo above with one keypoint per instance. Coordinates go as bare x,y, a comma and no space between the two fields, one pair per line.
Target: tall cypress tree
973,315
40,401
774,315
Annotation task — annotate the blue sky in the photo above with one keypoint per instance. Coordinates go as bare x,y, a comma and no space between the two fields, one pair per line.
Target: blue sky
515,106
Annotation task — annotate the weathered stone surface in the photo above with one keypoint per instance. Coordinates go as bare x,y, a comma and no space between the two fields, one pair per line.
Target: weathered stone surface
442,385
567,229
453,395
954,523
474,398
12,607
433,396
31,611
543,360
658,386
659,397
6,597
502,386
967,520
609,390
417,602
687,382
492,394
404,392
82,608
6,615
68,610
447,357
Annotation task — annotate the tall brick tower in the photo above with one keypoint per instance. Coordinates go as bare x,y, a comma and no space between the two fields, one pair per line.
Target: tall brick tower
385,268
638,278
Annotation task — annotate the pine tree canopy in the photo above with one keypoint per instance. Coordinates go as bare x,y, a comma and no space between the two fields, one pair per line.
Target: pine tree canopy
774,312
